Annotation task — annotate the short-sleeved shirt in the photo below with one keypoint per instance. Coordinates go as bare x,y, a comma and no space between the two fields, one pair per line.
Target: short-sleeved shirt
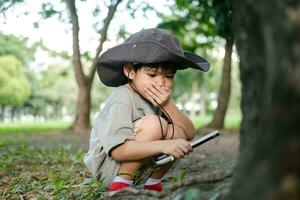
112,127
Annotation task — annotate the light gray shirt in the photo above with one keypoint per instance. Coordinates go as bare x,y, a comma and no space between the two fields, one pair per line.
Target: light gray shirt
112,127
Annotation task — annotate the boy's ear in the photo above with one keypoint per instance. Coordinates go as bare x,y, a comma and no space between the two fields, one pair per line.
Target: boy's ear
128,71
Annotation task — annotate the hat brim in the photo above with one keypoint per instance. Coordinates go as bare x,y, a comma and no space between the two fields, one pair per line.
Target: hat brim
110,64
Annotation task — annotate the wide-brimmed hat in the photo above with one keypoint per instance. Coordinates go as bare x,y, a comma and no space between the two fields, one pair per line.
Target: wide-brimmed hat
146,46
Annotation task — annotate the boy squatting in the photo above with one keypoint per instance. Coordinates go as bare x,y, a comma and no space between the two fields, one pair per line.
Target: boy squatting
135,124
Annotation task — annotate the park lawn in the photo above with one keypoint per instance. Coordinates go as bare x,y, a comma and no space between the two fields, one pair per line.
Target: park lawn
231,122
33,127
49,165
29,169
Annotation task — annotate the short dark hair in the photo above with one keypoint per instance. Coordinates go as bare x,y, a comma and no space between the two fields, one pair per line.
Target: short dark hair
166,67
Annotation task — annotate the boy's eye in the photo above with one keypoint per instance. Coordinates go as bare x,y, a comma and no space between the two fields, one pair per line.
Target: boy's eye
152,75
170,76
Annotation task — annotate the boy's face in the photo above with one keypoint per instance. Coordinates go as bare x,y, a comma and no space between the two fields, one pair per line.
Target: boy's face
152,77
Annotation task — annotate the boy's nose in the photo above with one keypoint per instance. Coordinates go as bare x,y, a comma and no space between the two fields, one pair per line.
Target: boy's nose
160,81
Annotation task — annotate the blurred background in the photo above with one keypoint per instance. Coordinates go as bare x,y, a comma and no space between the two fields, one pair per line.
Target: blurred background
50,94
39,88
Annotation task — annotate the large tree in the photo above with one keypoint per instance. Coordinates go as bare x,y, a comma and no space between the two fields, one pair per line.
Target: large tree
222,12
81,123
268,41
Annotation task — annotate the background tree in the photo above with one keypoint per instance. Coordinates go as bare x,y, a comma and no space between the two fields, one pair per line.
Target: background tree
222,12
84,82
15,54
268,39
14,86
199,25
5,5
17,46
195,29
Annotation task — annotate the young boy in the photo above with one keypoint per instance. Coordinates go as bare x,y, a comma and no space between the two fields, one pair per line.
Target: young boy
140,120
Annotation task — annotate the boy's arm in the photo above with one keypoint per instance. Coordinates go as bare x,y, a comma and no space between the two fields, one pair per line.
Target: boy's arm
135,150
180,119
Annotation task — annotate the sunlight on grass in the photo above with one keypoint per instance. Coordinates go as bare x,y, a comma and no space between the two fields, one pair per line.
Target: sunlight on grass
231,121
32,127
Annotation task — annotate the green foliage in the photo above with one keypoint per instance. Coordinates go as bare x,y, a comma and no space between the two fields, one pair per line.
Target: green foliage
180,179
91,188
53,89
223,17
17,46
55,172
195,28
48,10
193,24
5,5
15,89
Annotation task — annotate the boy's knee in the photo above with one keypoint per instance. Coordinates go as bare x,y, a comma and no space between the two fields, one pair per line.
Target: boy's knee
151,128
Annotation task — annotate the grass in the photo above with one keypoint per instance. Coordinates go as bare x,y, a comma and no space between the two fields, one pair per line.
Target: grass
49,166
231,121
29,170
33,127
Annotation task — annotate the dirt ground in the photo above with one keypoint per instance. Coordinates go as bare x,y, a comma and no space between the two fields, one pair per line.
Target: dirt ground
208,172
204,174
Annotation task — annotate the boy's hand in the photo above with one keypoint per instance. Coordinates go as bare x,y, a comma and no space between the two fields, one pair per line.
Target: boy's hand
158,95
177,148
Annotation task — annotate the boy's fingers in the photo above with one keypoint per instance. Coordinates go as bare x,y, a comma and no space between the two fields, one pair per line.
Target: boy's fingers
162,90
179,154
150,92
157,89
155,92
185,149
154,97
151,99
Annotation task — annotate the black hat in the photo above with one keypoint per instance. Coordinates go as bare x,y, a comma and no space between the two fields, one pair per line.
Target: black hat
146,46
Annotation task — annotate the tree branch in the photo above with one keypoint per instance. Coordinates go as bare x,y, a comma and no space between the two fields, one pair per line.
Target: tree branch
103,34
80,77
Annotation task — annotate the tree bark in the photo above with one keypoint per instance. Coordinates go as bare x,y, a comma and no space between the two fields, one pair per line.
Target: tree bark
224,93
268,43
81,123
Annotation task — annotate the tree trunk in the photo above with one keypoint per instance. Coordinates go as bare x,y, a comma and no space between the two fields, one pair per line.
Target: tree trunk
12,113
82,120
224,93
268,40
81,123
2,114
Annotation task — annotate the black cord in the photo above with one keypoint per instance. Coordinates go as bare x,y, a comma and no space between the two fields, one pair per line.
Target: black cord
169,118
161,128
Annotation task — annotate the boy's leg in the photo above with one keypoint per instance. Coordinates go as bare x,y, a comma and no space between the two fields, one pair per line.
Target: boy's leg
178,133
148,130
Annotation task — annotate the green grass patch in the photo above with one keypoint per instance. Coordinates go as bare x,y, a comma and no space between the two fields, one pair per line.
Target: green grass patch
33,127
30,171
231,121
